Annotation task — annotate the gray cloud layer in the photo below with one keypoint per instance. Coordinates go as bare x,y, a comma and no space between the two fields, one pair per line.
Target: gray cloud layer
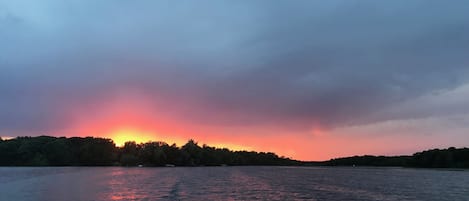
300,63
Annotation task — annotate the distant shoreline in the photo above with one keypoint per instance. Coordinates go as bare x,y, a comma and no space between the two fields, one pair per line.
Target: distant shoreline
47,151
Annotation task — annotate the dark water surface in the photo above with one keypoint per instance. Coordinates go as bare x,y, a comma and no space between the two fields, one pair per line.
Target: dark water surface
232,183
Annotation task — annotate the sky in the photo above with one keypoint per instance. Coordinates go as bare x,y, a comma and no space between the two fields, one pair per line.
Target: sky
310,80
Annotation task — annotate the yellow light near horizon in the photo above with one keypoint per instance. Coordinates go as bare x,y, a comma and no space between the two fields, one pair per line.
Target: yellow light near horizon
125,135
6,137
232,147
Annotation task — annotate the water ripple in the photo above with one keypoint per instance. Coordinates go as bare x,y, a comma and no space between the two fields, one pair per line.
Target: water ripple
233,183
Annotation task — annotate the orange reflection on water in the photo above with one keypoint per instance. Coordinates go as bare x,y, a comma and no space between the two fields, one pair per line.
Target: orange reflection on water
122,185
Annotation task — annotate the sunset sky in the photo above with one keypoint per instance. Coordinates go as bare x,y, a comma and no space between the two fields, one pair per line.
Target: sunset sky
311,80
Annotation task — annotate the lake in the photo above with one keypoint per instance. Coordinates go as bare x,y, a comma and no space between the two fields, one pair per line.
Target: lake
232,183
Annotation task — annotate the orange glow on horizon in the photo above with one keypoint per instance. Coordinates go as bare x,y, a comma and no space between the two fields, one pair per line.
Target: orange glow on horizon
133,116
232,147
121,136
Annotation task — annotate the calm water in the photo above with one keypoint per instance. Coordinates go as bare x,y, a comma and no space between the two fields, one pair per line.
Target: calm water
232,183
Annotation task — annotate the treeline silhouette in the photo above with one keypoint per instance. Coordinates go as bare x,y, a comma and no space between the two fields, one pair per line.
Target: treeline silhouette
91,151
435,158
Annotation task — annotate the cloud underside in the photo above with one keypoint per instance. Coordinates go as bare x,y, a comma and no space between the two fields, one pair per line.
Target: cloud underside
295,65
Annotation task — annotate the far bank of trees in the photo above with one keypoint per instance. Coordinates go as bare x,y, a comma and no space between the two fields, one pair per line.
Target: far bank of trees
90,151
435,158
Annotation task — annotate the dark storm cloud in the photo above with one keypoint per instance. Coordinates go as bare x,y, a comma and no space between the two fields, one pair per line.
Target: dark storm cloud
302,63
